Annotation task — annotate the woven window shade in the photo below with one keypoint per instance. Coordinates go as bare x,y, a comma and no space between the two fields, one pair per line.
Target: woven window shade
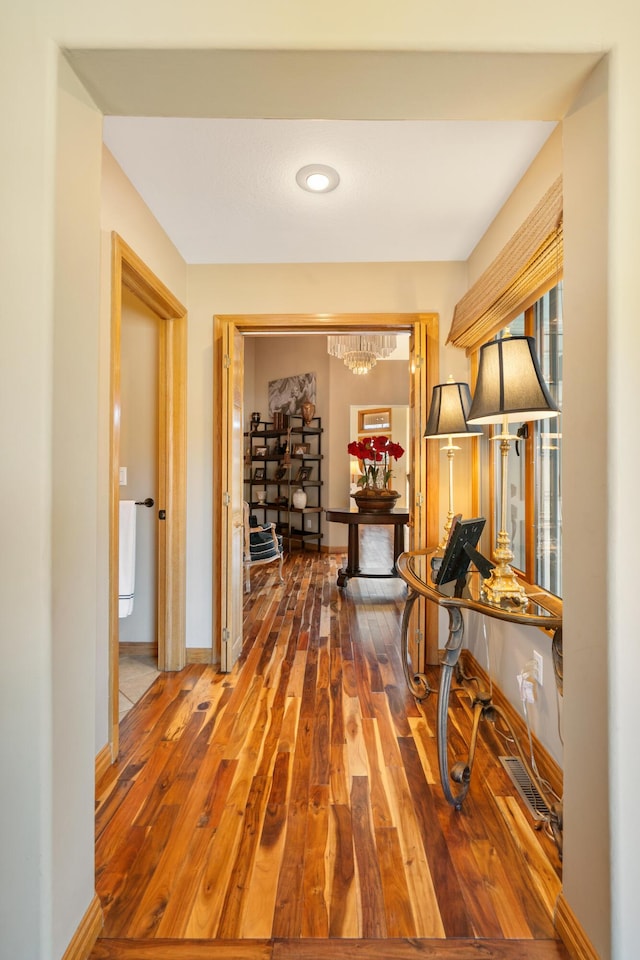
529,264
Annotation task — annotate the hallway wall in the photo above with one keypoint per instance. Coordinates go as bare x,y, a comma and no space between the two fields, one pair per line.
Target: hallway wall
50,628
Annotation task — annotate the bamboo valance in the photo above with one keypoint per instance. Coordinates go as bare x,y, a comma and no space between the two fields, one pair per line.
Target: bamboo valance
528,265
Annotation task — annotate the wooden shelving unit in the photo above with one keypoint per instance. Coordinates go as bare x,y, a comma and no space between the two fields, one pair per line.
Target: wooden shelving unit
273,461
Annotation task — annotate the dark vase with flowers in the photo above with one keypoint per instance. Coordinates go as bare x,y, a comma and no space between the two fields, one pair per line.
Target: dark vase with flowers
374,455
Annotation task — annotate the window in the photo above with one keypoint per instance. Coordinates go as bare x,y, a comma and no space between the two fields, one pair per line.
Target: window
547,322
534,477
520,288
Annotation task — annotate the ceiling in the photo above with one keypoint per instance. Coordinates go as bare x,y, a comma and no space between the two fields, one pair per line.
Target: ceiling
225,190
428,145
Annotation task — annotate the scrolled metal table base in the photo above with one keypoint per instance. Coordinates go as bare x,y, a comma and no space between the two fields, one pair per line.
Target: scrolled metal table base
417,682
483,708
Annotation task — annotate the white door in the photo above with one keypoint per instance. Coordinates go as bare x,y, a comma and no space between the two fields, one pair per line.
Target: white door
232,514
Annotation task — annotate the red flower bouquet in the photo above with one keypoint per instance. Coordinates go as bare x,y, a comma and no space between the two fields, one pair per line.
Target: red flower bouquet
375,455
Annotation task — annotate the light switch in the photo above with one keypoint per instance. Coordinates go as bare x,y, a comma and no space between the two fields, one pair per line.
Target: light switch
123,476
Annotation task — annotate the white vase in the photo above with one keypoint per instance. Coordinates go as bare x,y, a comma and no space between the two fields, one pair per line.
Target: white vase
299,499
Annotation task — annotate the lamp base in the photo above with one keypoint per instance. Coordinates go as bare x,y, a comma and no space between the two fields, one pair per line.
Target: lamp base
503,584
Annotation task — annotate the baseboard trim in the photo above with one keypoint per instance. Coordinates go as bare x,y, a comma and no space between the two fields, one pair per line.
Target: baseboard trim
565,921
199,655
88,931
547,766
571,933
138,649
104,759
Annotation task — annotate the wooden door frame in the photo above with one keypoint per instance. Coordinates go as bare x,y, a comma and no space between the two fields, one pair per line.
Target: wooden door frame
129,272
424,524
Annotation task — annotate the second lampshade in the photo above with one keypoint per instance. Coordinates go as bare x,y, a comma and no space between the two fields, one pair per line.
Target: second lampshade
450,404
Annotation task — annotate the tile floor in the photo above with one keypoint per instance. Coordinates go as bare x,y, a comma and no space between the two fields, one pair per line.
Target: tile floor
136,676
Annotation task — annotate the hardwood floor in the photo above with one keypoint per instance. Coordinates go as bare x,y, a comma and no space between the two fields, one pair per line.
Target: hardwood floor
292,808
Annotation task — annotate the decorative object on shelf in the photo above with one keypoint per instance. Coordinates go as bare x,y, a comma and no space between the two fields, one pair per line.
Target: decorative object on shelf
300,449
450,403
259,473
260,451
308,410
261,496
299,499
303,474
280,473
360,352
280,421
255,418
286,452
374,455
510,389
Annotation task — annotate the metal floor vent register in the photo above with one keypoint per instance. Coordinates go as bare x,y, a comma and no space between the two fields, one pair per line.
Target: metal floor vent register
525,787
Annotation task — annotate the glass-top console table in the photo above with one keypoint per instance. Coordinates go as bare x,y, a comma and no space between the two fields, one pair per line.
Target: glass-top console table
541,610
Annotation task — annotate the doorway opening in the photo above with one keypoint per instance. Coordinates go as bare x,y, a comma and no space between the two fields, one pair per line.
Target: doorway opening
229,332
129,273
138,616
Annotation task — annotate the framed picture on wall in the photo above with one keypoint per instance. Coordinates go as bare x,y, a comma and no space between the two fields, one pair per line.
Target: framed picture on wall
287,395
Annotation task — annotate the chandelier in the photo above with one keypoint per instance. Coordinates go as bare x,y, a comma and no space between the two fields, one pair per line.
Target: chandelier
361,351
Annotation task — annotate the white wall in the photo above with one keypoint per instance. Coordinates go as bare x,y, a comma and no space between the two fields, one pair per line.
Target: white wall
32,640
587,580
25,479
74,414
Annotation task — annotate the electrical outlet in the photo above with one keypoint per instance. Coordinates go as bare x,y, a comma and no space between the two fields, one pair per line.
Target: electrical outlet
537,659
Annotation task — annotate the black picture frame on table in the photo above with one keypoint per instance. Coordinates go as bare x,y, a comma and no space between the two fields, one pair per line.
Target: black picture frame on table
456,560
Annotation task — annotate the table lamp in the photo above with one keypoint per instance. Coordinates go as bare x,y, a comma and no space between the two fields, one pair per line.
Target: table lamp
510,389
450,403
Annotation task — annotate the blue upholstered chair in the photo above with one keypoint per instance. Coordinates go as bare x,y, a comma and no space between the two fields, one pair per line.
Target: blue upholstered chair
261,545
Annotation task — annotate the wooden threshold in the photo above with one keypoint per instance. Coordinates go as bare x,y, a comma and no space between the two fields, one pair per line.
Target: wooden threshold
328,949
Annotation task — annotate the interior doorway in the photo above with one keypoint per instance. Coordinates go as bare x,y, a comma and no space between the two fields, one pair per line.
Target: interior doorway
227,486
138,618
130,275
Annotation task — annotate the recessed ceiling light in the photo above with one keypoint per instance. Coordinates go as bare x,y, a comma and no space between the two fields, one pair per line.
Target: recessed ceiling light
317,178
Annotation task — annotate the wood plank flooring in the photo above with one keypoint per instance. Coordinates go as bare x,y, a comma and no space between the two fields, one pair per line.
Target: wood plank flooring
292,808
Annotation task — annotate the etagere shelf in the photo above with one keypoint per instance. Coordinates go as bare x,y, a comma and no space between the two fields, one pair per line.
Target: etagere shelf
277,463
